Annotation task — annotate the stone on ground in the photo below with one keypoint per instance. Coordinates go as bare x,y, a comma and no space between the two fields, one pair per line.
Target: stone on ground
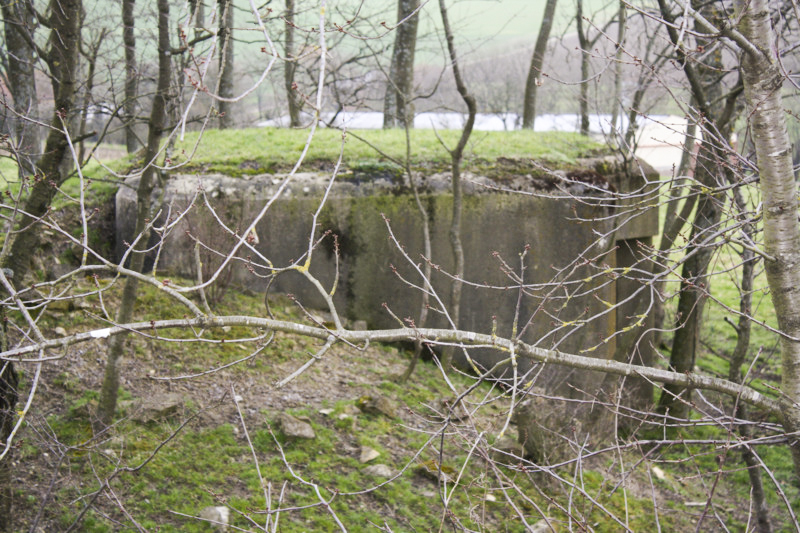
294,427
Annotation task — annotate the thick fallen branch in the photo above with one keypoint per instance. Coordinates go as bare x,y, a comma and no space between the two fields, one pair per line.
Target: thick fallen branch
427,335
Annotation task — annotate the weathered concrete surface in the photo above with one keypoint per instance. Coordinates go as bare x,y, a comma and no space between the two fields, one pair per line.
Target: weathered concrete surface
570,223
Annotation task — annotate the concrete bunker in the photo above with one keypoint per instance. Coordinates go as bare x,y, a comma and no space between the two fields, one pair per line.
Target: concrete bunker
582,228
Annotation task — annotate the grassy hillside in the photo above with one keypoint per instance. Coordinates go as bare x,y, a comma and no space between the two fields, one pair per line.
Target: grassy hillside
214,450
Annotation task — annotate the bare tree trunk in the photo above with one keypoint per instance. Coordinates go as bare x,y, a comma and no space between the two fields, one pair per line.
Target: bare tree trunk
62,59
398,109
695,286
91,58
290,67
735,373
710,173
583,42
428,251
674,222
21,57
108,395
537,60
456,156
226,70
8,400
129,106
762,80
622,21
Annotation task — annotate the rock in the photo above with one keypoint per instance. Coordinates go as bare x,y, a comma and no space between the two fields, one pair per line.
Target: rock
430,469
350,410
216,516
294,427
158,406
61,332
326,412
379,470
368,454
376,406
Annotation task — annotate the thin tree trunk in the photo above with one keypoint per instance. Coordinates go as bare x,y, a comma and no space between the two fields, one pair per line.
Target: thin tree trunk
428,250
695,286
129,106
20,71
108,394
226,70
390,98
735,373
87,92
398,109
583,42
290,67
537,60
762,81
8,400
622,21
456,156
709,173
674,222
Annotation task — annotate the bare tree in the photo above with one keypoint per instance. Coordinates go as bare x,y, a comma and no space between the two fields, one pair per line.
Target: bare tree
586,44
87,107
456,159
18,63
537,61
398,109
622,22
131,76
710,173
290,66
226,65
61,57
107,404
762,76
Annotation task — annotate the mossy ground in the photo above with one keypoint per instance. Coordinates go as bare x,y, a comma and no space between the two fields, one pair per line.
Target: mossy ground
209,462
266,150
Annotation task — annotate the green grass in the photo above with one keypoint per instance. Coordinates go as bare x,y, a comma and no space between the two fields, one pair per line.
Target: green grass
247,151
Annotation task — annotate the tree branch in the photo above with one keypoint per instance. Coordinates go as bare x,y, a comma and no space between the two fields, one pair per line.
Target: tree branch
428,335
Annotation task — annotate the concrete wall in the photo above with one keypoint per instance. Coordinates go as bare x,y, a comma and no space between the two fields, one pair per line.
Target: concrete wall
570,229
